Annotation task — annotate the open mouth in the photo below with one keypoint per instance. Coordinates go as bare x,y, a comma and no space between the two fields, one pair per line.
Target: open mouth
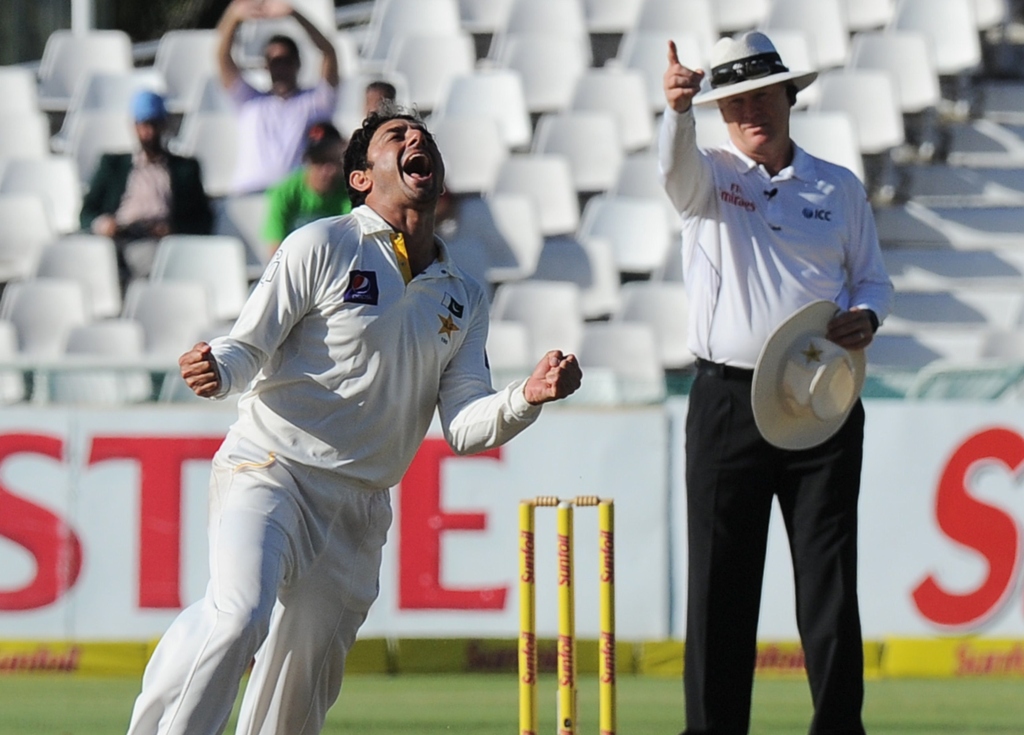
418,166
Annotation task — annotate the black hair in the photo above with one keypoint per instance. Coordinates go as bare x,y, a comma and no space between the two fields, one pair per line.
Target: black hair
791,91
387,89
283,40
359,143
320,138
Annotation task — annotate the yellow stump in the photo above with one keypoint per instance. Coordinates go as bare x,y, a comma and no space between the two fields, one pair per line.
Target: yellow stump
606,571
566,624
527,622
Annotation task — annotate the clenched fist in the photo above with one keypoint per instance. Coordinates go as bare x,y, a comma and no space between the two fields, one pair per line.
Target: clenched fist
199,370
556,376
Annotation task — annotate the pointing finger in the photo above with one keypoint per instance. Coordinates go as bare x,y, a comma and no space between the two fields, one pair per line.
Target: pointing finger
673,53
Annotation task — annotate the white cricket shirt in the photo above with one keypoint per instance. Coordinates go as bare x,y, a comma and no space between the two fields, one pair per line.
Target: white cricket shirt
758,247
343,358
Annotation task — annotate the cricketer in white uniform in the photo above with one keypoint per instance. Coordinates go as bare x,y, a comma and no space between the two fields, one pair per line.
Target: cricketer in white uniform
359,329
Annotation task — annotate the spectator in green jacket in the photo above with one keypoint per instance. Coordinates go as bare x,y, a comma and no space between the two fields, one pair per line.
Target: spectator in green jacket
316,190
137,198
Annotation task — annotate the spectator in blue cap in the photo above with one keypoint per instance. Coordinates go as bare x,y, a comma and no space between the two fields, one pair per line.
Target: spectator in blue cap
137,198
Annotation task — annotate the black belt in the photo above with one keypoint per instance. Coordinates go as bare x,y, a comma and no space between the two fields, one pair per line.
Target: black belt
726,372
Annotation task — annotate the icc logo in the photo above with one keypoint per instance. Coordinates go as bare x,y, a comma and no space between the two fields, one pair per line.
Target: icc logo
821,214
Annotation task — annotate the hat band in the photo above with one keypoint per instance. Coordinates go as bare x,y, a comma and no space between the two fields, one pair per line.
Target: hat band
752,67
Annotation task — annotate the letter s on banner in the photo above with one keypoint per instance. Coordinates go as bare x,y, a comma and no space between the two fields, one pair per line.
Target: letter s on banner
53,544
979,526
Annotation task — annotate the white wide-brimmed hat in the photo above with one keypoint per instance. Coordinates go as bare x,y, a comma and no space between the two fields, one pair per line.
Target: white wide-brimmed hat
805,385
746,63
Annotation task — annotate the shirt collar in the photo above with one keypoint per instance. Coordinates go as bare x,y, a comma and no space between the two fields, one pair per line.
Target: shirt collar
802,167
372,223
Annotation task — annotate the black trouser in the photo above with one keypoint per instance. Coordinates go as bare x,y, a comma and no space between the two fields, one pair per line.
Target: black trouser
732,474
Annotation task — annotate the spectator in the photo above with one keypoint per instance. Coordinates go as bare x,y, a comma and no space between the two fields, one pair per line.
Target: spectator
137,198
314,191
272,125
377,93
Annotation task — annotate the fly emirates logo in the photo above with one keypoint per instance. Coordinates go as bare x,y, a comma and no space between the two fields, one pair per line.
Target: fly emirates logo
735,197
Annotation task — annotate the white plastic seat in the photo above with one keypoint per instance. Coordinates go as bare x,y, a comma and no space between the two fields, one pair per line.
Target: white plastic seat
590,142
989,13
547,180
216,260
549,309
866,15
12,382
611,16
647,52
824,22
24,135
209,95
950,24
678,17
428,63
69,57
868,96
590,264
629,351
623,93
55,180
932,268
497,93
173,314
798,53
392,19
24,230
639,179
243,217
955,309
43,311
733,16
96,133
211,138
664,306
548,65
637,230
18,90
907,56
185,59
502,232
100,92
484,16
508,352
564,17
120,340
92,261
830,136
473,152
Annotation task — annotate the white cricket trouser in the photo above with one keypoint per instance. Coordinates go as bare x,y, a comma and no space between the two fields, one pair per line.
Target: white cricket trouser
294,564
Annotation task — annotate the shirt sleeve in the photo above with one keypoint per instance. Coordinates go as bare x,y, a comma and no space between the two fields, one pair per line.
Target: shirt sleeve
324,101
685,172
870,285
473,416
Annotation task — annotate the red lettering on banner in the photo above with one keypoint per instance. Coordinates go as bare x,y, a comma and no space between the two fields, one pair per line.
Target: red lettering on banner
421,523
160,460
976,525
52,543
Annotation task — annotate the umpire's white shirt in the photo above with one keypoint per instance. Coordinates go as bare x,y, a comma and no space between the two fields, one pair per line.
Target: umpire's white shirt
343,356
757,247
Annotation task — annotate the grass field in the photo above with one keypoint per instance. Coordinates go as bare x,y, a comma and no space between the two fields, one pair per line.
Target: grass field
486,705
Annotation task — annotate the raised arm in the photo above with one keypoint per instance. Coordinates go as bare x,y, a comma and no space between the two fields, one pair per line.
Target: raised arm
234,14
282,9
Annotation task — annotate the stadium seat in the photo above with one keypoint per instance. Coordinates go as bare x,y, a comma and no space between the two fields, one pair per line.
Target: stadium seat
646,52
173,314
966,309
561,17
92,261
590,264
866,15
952,27
734,16
547,180
590,142
484,17
24,135
824,22
17,90
548,66
639,178
392,19
351,108
627,350
24,230
185,59
502,233
868,96
43,312
212,138
679,17
217,261
508,352
121,341
623,93
637,230
12,382
103,92
252,37
831,136
55,180
243,217
989,13
665,307
96,133
497,93
428,63
69,58
208,95
473,152
798,53
549,309
611,16
908,57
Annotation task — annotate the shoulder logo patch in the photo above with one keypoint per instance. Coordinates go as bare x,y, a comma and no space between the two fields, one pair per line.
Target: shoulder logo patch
362,288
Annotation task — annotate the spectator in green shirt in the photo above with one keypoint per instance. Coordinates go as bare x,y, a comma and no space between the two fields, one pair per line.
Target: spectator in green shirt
316,190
